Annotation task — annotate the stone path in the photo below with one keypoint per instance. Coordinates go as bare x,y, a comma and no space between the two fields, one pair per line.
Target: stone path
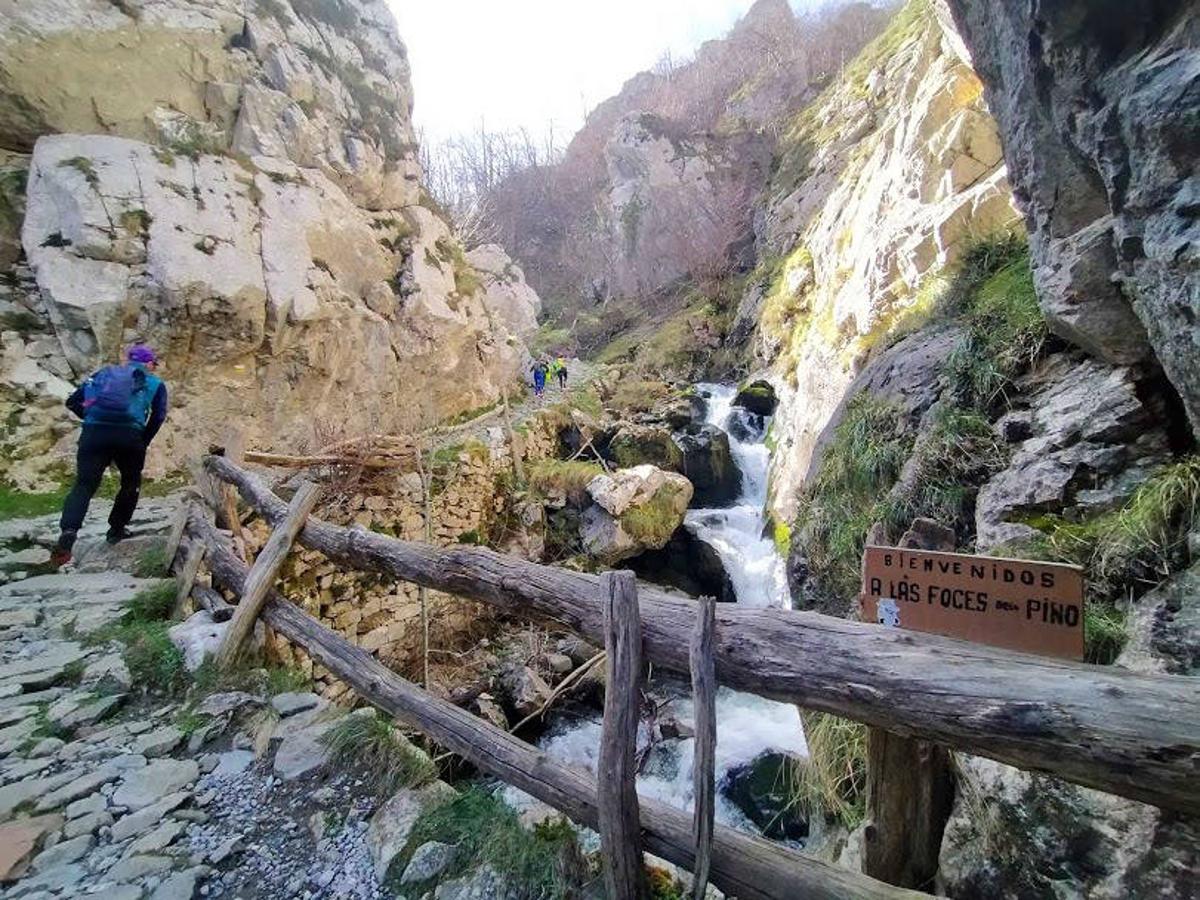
581,373
112,791
107,790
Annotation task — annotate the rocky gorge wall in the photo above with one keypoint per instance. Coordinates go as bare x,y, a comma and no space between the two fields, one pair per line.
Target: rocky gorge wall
882,183
1096,103
252,208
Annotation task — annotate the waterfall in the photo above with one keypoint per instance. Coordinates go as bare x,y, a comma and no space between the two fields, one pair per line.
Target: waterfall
747,725
736,532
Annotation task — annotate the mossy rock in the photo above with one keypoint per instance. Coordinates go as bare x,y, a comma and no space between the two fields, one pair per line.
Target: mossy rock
761,790
635,445
758,397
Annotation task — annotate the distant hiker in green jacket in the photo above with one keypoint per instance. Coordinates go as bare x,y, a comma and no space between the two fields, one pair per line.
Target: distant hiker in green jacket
122,408
558,369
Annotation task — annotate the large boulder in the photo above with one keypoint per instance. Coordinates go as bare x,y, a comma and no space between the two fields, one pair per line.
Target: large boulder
760,789
758,397
633,510
709,465
635,445
1097,103
687,564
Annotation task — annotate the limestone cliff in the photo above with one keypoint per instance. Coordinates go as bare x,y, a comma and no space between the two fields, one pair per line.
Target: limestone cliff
661,182
881,184
1097,103
252,207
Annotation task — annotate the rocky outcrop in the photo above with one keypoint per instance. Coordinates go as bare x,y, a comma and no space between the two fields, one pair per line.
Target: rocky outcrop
1015,833
505,293
881,185
1097,104
660,181
676,202
253,211
263,287
1083,443
633,510
325,85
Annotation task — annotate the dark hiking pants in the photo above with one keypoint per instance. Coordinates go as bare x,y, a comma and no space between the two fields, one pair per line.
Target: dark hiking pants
99,447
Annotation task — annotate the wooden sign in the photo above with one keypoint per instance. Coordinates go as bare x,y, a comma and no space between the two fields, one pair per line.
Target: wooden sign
1035,607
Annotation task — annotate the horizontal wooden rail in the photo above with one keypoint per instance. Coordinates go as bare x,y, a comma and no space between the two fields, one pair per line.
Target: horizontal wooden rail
1133,735
742,865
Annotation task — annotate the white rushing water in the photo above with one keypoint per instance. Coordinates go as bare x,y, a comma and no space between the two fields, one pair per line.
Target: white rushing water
747,725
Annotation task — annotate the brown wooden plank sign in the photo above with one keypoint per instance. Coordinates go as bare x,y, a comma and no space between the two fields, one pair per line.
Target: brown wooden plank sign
1035,607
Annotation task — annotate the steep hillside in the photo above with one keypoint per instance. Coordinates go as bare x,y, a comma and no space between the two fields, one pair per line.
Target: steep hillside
660,182
252,207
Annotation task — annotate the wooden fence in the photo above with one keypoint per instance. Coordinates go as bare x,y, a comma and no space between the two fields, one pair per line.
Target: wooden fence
1133,735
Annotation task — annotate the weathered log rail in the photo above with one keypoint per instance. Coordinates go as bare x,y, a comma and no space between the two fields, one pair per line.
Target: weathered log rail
1133,735
744,866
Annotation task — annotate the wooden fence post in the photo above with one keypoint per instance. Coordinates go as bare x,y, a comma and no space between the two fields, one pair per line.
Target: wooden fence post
620,828
704,778
187,575
910,794
235,448
263,572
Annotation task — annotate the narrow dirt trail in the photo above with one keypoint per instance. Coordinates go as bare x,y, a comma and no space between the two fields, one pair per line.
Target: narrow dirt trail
581,374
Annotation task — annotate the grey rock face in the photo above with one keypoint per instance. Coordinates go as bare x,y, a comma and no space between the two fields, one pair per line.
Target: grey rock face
708,465
905,375
1164,630
1097,104
428,861
1019,834
1093,441
393,823
162,777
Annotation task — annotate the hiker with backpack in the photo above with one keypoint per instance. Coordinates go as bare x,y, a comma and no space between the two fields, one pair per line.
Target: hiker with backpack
539,369
559,368
122,408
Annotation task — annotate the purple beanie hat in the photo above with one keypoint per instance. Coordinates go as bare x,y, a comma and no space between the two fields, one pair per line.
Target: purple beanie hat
140,353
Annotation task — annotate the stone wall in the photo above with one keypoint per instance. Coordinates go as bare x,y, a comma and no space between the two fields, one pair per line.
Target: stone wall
384,617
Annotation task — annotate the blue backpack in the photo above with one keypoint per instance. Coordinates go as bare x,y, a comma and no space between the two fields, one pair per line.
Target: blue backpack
119,395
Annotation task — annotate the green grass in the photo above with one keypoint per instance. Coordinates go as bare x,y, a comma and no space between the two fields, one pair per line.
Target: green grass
249,676
833,781
992,292
389,758
1126,551
19,504
152,562
781,534
152,604
540,864
570,477
838,507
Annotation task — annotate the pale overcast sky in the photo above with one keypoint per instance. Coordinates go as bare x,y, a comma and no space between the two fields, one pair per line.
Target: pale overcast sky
529,62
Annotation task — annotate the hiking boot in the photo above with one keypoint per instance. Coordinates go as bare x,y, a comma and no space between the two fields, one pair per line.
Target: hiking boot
61,554
116,535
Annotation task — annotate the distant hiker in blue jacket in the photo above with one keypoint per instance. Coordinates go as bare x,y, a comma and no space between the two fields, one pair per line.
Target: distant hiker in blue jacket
122,408
539,370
